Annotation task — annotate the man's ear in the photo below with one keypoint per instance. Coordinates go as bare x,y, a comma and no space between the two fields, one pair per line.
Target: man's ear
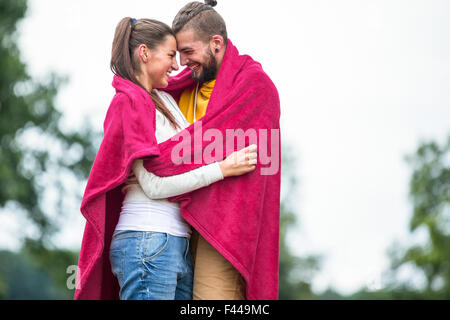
216,43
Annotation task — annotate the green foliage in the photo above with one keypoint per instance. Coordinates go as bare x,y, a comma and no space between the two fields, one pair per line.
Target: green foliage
3,288
22,281
53,262
430,196
27,109
35,157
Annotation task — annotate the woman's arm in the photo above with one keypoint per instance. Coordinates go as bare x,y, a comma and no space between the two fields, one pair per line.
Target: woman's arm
156,187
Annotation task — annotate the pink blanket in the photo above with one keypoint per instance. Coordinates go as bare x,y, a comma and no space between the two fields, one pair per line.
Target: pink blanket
239,216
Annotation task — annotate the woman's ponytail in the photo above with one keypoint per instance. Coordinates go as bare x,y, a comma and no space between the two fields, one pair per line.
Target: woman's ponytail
121,60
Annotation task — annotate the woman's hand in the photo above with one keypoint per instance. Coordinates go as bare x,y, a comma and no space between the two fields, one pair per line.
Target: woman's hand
240,162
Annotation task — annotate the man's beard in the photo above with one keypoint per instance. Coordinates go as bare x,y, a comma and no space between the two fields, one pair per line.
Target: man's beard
209,70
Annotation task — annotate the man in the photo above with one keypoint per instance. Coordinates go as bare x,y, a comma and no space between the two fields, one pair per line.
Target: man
202,43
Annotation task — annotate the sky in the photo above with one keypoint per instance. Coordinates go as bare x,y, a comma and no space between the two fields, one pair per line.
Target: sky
361,84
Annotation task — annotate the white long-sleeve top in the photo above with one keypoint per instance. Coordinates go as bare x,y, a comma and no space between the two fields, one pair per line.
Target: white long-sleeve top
146,207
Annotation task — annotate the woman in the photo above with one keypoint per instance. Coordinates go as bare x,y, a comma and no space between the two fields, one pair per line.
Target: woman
149,252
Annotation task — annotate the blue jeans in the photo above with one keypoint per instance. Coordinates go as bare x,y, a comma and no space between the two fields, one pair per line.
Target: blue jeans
151,265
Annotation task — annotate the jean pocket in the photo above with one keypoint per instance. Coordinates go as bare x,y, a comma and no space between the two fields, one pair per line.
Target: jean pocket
117,259
153,245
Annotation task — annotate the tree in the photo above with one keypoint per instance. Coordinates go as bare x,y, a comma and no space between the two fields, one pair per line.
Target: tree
33,147
36,156
23,280
430,196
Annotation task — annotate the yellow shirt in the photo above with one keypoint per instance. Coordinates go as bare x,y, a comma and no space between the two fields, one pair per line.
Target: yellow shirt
186,103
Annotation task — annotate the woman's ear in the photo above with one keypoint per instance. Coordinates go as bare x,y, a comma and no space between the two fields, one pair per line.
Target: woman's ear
144,53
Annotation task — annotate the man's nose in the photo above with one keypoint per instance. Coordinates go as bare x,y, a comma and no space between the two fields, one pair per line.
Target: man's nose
183,59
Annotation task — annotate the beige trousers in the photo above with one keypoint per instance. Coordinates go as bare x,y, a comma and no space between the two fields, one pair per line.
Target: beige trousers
214,277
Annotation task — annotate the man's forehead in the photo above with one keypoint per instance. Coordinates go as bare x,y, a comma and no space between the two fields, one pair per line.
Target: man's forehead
187,40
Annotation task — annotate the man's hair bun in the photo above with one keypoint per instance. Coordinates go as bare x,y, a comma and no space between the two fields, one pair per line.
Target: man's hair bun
212,3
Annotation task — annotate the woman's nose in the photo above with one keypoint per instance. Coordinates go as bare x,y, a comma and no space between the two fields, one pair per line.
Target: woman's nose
175,65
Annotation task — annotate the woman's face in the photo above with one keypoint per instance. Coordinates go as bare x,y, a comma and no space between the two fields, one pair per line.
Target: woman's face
161,62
